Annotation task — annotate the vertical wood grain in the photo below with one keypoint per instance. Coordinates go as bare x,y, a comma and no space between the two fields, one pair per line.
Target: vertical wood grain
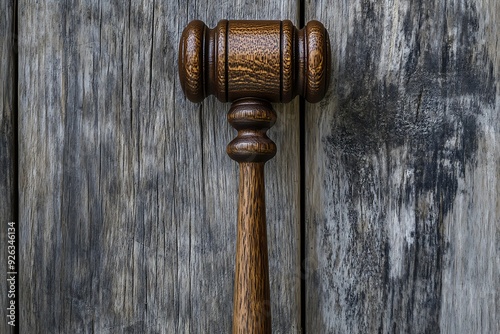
127,198
251,313
7,147
403,170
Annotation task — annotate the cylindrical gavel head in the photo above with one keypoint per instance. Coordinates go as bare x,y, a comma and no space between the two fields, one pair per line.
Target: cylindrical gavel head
270,60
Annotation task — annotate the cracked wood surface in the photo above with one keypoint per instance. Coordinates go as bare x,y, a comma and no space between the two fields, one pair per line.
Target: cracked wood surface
403,170
128,199
7,147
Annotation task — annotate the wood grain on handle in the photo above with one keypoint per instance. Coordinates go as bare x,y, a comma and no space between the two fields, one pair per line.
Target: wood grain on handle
252,307
251,148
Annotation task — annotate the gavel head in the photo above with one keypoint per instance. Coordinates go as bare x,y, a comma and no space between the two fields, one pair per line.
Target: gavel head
270,60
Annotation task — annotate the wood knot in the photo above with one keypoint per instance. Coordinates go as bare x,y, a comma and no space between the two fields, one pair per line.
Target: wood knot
252,118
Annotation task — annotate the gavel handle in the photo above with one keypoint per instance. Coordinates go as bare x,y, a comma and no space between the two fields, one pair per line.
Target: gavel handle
252,308
251,149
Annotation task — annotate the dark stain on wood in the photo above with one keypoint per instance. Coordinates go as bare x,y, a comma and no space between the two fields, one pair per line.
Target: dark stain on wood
422,109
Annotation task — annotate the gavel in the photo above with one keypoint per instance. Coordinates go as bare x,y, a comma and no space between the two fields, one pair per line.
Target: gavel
253,64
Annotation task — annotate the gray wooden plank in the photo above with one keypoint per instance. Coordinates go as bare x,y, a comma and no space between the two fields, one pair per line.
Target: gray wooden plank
7,151
128,200
403,170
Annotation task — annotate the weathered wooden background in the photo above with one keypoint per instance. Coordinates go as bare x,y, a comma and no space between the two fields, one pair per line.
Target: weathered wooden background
403,170
383,200
8,157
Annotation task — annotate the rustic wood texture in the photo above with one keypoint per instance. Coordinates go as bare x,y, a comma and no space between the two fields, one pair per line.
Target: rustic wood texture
127,196
403,170
7,145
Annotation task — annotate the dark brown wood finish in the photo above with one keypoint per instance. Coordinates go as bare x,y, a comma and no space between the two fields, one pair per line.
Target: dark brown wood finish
270,60
251,148
253,63
252,303
252,118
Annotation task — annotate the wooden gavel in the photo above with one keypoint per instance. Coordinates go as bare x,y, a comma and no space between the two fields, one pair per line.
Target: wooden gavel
253,63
